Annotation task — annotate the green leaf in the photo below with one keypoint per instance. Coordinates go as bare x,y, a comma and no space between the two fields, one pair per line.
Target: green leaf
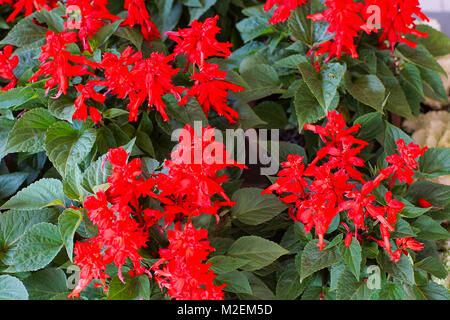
314,260
72,184
367,89
26,32
133,288
236,282
435,162
224,264
288,285
272,113
395,99
28,134
372,126
348,288
62,108
402,270
391,291
12,288
46,284
253,27
437,43
419,56
352,257
434,266
104,33
17,97
307,108
259,251
260,291
66,146
37,248
68,223
430,229
433,86
36,196
197,12
402,230
10,183
304,29
433,291
253,208
392,135
323,84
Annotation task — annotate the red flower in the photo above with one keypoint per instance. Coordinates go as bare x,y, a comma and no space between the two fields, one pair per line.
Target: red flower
284,9
29,6
199,41
88,256
193,178
211,91
138,14
184,273
87,92
398,20
404,162
94,15
153,79
424,203
119,79
345,23
56,60
404,244
7,65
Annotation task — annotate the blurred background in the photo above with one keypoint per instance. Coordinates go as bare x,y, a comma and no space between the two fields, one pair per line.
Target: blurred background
439,10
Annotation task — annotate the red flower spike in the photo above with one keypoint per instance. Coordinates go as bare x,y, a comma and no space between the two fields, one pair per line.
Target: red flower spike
56,60
199,42
87,92
153,79
211,91
284,9
138,14
29,6
7,65
182,268
397,21
345,23
94,15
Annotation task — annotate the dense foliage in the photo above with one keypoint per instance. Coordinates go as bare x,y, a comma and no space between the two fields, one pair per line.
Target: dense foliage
97,204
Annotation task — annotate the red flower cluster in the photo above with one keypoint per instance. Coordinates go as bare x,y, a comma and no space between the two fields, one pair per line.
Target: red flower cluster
284,9
94,15
199,43
29,6
193,177
56,62
183,272
348,18
320,192
7,65
138,14
345,23
186,190
397,20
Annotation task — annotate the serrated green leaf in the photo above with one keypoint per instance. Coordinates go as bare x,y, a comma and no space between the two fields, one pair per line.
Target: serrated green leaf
12,288
314,260
68,223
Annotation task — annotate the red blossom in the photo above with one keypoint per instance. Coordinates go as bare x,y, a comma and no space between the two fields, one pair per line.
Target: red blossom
184,272
284,9
87,92
7,65
138,14
345,23
398,20
29,6
152,80
94,15
211,90
56,62
199,41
